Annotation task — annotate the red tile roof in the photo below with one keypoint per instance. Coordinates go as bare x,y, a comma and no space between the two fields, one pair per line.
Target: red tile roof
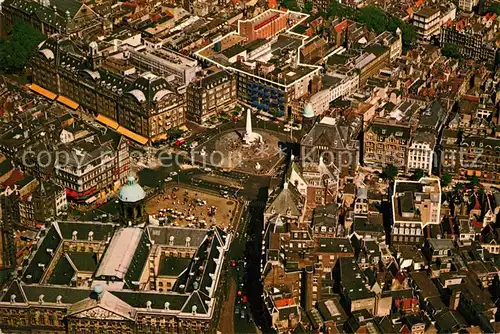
284,302
341,26
16,176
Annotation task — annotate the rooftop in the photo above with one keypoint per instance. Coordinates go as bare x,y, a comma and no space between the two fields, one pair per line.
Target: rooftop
118,256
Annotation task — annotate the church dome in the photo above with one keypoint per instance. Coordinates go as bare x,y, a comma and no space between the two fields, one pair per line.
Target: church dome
308,111
131,192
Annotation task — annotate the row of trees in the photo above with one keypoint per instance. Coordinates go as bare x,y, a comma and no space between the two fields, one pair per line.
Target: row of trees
390,172
17,49
375,19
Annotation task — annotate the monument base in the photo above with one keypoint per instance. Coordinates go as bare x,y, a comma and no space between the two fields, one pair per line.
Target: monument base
252,138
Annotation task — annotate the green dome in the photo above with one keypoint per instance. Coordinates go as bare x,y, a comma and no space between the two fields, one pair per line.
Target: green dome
131,192
308,111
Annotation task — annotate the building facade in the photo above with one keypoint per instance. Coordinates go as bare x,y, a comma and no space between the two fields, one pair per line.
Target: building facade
386,144
265,25
427,22
63,301
421,153
209,96
89,169
471,44
143,109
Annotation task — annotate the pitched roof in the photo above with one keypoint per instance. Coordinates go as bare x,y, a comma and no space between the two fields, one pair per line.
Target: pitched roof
69,295
84,261
101,231
63,272
108,301
139,299
34,272
162,235
149,88
288,202
16,290
139,260
197,300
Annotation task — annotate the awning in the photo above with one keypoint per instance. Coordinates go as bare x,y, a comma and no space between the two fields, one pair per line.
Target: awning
91,200
67,102
163,136
134,136
107,121
183,128
42,91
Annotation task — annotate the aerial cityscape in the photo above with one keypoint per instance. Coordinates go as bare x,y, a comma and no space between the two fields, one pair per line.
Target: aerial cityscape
249,166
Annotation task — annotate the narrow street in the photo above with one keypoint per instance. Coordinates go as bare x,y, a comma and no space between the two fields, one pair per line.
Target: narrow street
226,321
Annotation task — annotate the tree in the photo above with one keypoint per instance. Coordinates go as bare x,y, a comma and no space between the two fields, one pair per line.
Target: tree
290,4
16,51
494,7
390,172
376,20
474,180
308,7
451,51
174,133
408,35
418,174
445,179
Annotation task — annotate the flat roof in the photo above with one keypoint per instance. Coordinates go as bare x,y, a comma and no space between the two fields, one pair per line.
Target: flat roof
427,12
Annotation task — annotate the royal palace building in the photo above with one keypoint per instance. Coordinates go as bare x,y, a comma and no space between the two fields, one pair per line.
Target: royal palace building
95,278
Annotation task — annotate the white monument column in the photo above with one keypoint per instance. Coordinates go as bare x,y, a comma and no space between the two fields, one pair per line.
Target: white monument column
250,137
248,132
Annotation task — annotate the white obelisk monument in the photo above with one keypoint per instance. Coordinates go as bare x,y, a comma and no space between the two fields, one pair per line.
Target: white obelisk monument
250,137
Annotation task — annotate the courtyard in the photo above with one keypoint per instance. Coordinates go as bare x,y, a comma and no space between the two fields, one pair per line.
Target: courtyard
181,206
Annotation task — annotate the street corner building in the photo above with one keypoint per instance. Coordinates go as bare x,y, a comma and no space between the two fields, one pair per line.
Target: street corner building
104,83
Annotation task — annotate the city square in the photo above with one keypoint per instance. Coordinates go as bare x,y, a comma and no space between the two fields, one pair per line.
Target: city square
193,208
